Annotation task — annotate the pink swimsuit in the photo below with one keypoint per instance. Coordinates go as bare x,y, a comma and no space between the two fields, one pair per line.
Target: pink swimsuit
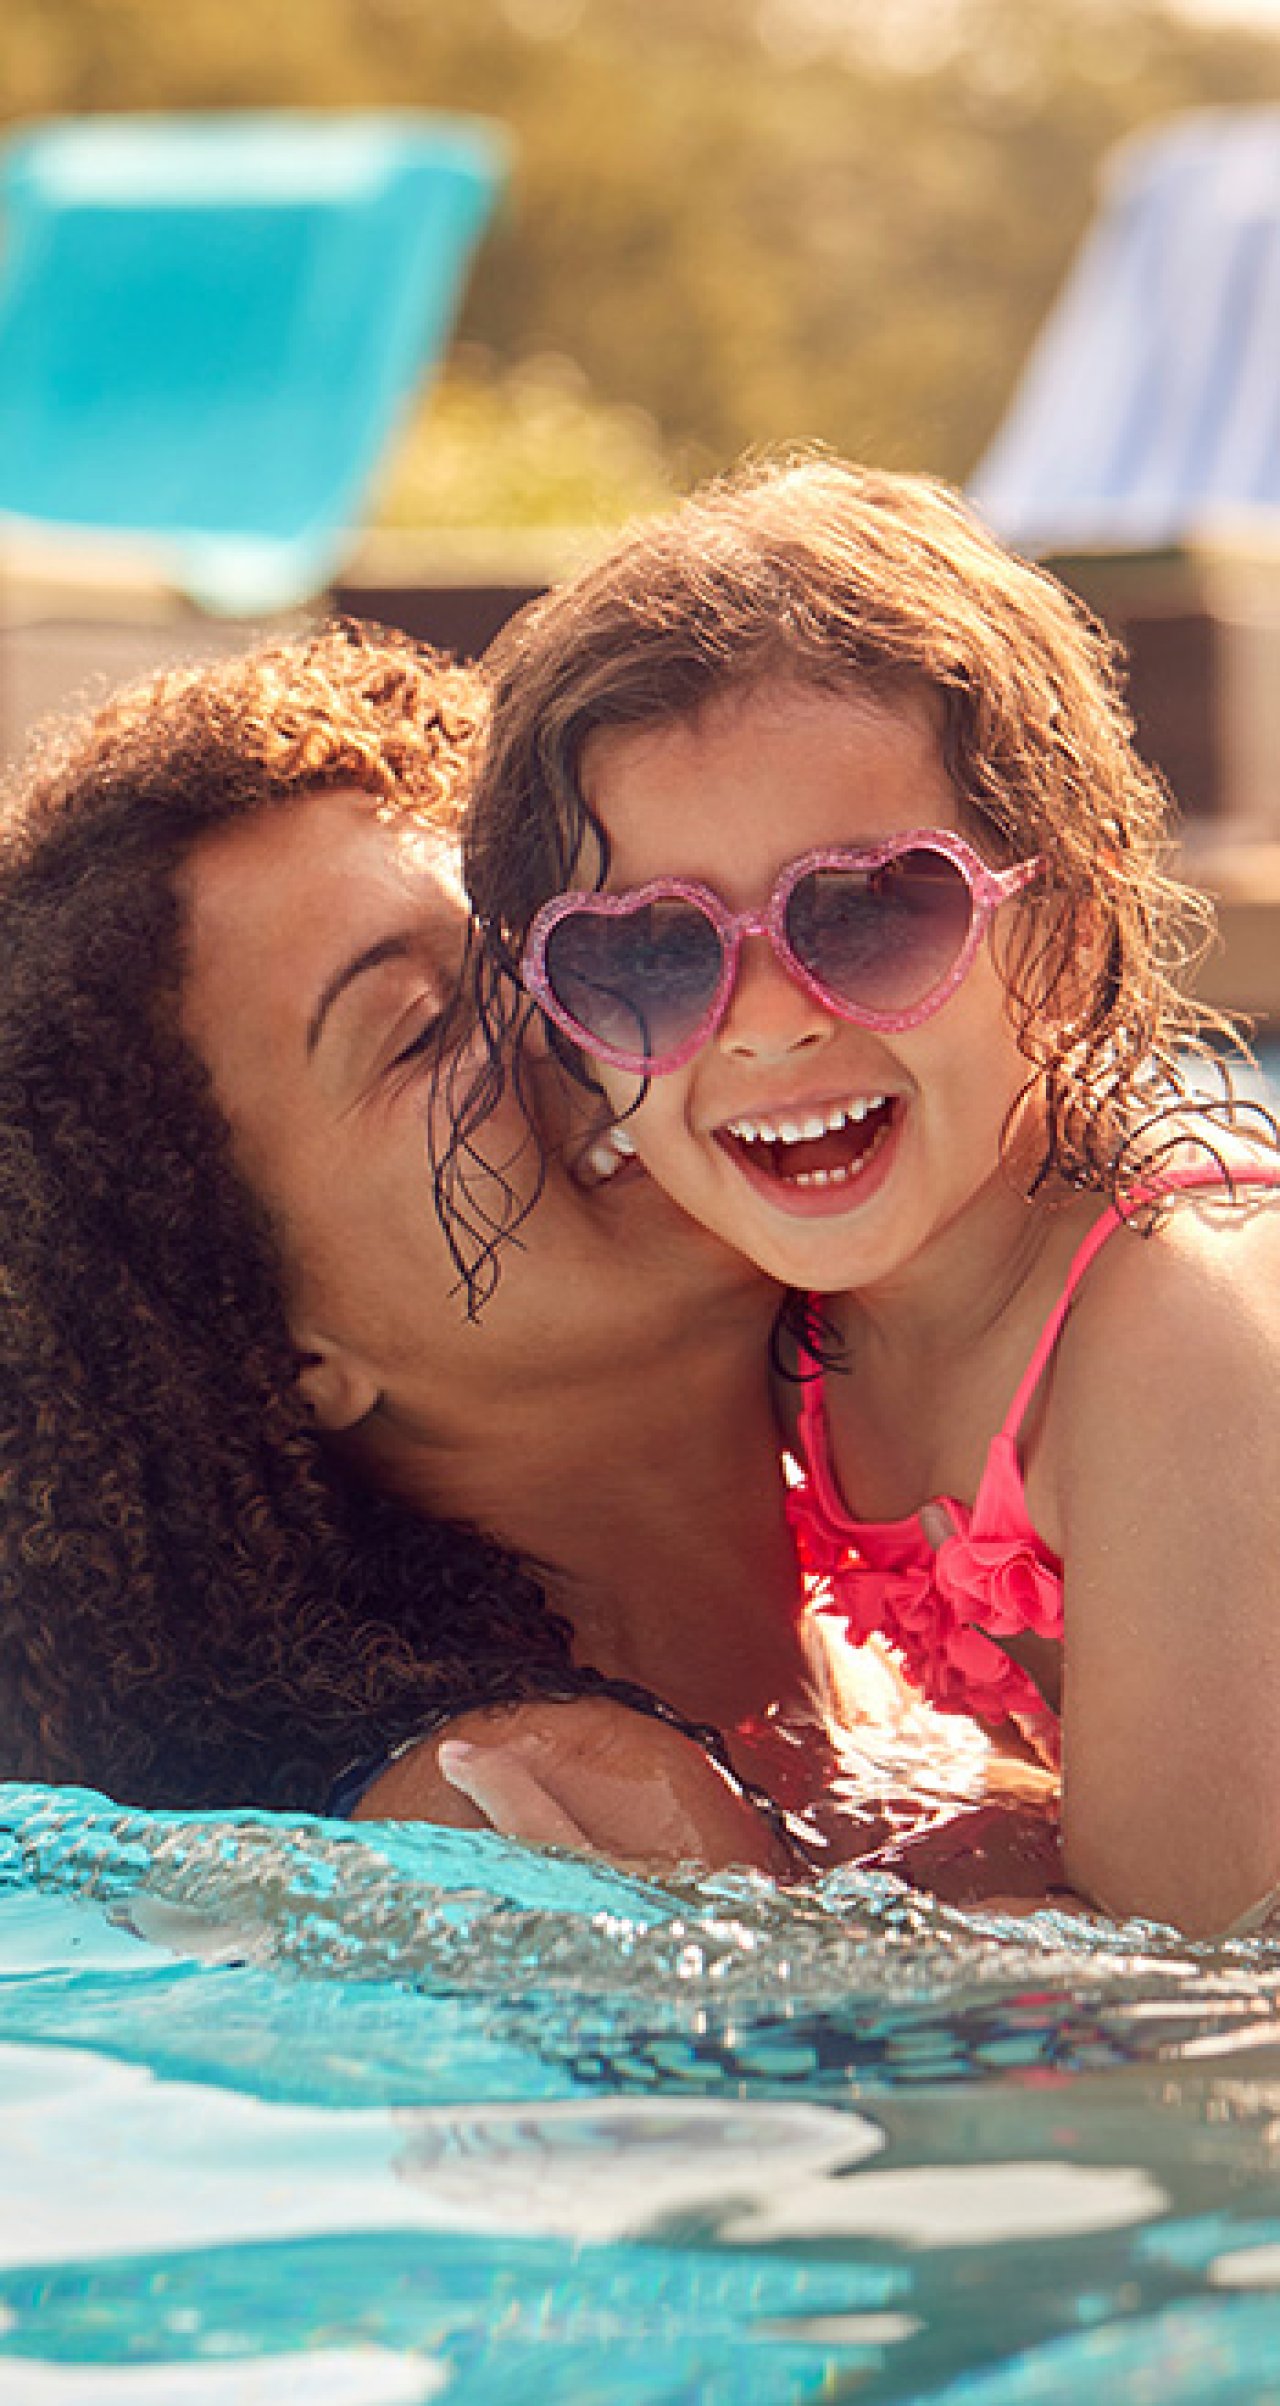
994,1569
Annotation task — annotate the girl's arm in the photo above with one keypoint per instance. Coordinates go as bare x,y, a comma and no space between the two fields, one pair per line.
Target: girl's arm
1164,1450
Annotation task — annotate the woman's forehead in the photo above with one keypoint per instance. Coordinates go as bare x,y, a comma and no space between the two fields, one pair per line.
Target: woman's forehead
283,897
330,837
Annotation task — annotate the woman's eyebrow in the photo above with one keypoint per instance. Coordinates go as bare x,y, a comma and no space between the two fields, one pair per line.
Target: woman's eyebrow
388,948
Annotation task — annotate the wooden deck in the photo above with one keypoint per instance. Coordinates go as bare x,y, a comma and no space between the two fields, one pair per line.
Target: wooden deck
1242,879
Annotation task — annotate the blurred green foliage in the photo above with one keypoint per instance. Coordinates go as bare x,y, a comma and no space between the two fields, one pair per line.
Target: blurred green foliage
522,446
733,222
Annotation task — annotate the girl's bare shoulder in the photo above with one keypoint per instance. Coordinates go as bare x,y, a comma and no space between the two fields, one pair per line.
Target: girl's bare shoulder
1193,1303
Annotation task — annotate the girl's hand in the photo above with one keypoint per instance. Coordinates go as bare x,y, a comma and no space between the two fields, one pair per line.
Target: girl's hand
590,1774
1001,1857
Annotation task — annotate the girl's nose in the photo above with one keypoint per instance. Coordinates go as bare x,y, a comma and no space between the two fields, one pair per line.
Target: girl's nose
770,1016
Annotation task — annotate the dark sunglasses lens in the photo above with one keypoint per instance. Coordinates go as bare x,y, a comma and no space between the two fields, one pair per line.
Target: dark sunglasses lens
639,981
881,939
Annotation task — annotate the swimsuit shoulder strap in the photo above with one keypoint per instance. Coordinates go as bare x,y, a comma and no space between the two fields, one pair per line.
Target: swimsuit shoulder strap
811,1419
1052,1330
1190,1176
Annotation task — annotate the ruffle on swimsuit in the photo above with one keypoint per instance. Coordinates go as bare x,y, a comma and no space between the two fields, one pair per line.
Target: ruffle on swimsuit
924,1582
886,1578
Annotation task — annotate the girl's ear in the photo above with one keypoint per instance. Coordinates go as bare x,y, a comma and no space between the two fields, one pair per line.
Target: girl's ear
334,1384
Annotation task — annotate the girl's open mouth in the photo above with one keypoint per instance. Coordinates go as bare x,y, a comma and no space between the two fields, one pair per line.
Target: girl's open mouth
829,1147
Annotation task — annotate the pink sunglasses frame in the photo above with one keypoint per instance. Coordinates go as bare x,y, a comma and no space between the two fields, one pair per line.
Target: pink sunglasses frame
988,888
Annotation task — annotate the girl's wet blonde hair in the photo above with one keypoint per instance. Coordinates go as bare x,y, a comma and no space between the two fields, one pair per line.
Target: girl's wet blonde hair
811,568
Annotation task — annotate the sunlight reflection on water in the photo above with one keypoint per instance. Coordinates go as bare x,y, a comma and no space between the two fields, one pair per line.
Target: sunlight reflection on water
391,2105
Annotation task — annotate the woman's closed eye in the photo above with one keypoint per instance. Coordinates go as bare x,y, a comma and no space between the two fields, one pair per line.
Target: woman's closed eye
426,1035
398,1012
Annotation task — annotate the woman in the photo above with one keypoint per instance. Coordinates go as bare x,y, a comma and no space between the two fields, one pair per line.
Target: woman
253,1431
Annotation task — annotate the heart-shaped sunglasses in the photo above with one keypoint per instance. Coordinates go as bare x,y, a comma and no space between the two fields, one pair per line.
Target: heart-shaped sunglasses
881,935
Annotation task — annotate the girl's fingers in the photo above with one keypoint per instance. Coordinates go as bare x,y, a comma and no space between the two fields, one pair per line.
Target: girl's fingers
976,1853
508,1793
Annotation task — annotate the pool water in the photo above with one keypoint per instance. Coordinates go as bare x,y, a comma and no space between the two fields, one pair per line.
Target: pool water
356,2116
294,2113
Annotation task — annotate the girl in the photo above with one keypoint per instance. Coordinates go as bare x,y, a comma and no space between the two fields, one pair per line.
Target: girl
813,824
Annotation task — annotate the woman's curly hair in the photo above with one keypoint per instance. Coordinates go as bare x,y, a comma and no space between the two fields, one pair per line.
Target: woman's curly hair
811,568
198,1607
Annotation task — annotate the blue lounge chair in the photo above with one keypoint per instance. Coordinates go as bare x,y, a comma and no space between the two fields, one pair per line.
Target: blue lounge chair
210,326
1148,414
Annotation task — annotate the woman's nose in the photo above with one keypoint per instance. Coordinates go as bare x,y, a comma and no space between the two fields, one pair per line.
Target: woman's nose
770,1015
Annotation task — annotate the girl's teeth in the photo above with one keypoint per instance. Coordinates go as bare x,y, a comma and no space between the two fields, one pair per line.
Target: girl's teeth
813,1125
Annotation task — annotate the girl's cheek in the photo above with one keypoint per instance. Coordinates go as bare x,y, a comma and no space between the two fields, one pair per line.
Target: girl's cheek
672,1149
642,1126
625,1095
